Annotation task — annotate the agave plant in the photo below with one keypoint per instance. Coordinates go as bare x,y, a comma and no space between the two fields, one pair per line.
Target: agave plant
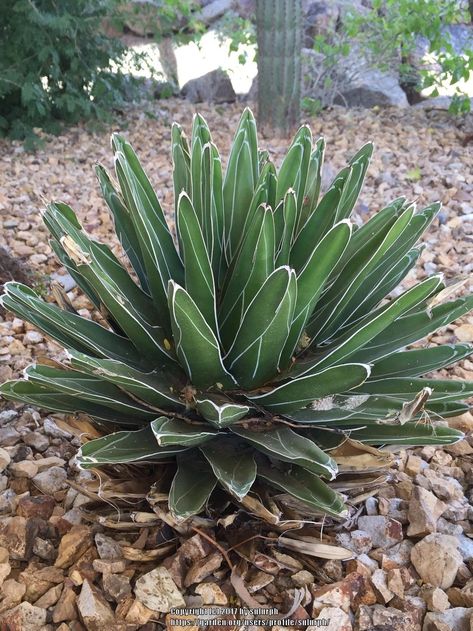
254,340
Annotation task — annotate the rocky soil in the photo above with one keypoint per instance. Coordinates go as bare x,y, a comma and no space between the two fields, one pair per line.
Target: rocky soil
79,553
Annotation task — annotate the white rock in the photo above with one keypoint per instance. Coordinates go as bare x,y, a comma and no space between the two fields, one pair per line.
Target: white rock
156,590
436,559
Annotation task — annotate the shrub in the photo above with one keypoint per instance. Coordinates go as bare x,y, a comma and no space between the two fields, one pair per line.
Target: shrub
257,339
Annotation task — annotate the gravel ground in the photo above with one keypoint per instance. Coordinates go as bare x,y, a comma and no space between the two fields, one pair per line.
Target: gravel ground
66,562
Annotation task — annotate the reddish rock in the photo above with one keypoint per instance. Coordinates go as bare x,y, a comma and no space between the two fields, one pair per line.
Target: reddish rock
38,506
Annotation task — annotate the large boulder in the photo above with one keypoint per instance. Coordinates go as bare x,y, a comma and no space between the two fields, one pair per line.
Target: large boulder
352,81
213,87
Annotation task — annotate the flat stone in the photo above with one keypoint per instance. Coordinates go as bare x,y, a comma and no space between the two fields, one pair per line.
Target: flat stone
73,545
332,619
66,609
13,536
51,481
456,619
380,584
23,469
38,441
4,459
384,531
53,430
211,594
424,510
41,506
116,586
202,568
94,610
24,617
157,591
9,436
435,598
107,547
436,559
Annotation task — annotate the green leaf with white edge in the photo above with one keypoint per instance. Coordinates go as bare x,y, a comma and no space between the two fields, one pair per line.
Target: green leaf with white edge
53,400
234,468
411,328
200,137
161,259
124,447
181,161
407,387
311,281
319,222
196,345
123,225
284,444
130,307
342,296
294,168
361,334
306,487
191,486
372,233
220,411
289,212
89,387
380,284
299,392
199,278
174,431
240,180
254,355
265,193
408,434
254,265
213,219
420,361
69,329
313,183
156,388
359,165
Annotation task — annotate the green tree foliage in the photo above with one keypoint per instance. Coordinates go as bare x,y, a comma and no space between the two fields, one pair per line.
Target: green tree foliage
400,27
58,65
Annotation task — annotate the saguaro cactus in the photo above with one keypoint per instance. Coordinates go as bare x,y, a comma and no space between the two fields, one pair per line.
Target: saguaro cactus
279,35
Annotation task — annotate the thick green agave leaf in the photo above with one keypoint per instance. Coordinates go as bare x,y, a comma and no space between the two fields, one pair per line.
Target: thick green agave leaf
48,398
234,468
343,296
240,180
123,225
407,434
174,431
196,345
200,137
124,447
411,328
420,361
289,217
155,388
359,335
192,485
406,387
160,256
299,392
295,166
212,201
311,281
319,222
254,355
265,194
359,165
220,411
313,183
284,444
87,387
181,161
253,266
199,277
306,487
69,329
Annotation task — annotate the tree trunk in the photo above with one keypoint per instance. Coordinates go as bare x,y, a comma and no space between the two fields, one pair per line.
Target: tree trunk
279,37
